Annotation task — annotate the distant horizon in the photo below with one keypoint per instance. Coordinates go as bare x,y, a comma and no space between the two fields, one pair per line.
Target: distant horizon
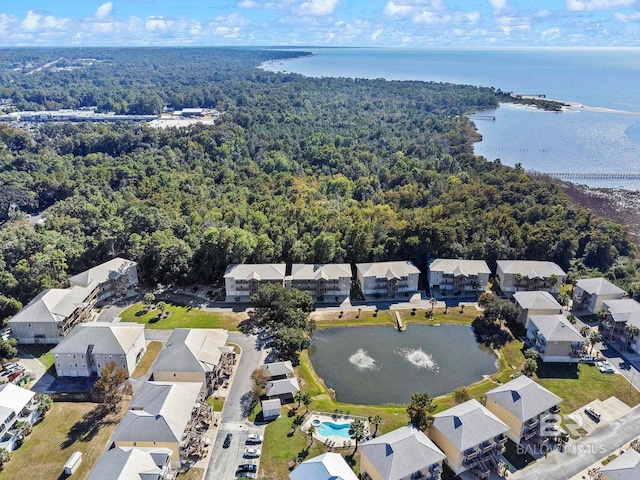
322,23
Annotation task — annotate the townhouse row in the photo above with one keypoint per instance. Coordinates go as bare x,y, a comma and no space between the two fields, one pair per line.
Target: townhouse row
469,437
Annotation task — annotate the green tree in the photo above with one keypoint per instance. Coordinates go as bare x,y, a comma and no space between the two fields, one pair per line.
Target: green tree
531,353
594,339
585,331
24,428
5,456
297,397
530,366
306,400
357,431
110,387
44,402
149,298
433,303
376,421
420,410
8,348
461,394
310,431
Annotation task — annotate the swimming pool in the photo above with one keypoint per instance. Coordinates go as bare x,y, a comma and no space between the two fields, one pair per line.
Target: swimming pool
330,429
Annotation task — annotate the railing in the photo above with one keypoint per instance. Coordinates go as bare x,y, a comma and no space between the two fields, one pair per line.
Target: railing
555,409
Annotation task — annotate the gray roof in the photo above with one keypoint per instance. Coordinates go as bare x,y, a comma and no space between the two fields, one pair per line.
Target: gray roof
328,466
388,270
398,454
556,328
624,310
524,398
159,412
13,399
106,338
128,463
54,305
272,404
536,301
191,350
327,271
625,467
260,271
468,425
103,272
599,286
276,369
530,268
458,266
282,387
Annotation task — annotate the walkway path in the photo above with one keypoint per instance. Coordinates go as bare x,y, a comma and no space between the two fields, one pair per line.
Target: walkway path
584,452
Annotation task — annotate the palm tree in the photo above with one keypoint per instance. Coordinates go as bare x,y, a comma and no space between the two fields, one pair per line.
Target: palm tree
44,403
161,306
433,303
376,420
149,298
357,431
585,331
5,456
306,400
298,398
310,431
631,331
552,280
24,428
594,338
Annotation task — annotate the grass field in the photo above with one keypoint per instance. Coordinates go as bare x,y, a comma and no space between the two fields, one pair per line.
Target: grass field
182,317
142,369
48,448
388,317
41,352
581,384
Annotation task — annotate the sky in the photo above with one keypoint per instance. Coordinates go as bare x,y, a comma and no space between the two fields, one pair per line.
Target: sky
366,23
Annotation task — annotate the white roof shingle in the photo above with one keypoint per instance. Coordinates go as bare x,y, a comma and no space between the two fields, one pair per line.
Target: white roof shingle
530,268
130,463
599,286
328,271
524,398
468,425
159,412
536,301
453,266
556,328
259,271
54,305
388,270
328,466
13,399
402,452
625,467
276,369
106,338
105,271
192,350
282,387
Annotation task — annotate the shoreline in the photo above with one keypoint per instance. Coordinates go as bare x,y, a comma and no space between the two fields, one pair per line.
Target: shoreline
579,106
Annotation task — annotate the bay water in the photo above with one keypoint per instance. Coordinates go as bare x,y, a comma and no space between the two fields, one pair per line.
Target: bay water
573,141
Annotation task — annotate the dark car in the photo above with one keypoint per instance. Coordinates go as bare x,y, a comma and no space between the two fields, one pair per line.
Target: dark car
248,467
227,440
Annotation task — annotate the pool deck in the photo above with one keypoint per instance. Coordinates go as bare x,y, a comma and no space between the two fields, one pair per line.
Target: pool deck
334,441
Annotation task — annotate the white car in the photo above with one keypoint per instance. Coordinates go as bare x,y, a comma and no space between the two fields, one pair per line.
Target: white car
252,453
557,430
593,413
255,438
605,367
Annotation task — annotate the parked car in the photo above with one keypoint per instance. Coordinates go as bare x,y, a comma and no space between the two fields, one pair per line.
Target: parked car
587,359
227,440
605,367
6,366
255,438
556,430
247,474
248,467
14,375
592,412
252,453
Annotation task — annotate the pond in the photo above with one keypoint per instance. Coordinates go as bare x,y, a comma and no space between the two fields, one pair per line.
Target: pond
379,365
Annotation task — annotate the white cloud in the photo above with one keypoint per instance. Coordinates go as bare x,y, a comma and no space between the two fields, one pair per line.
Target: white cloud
632,17
103,11
498,5
376,34
233,20
249,4
37,22
542,14
591,5
552,33
317,7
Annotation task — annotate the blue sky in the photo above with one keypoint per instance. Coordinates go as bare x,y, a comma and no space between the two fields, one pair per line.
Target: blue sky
383,23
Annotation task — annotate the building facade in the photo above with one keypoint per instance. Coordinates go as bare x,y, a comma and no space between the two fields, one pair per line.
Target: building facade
243,280
325,282
458,276
536,303
529,275
388,279
554,338
590,293
114,277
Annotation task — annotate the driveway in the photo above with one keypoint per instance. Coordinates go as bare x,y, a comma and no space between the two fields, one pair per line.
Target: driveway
224,462
583,453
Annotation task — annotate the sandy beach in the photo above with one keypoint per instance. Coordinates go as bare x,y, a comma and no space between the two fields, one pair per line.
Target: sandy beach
580,106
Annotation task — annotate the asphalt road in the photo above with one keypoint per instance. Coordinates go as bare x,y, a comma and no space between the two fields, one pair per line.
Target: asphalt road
224,462
584,452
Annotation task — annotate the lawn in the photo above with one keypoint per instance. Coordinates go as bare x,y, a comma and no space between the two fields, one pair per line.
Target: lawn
41,352
48,448
218,403
581,384
388,317
192,474
182,317
142,369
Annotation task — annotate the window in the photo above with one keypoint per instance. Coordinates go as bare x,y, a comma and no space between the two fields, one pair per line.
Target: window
74,356
121,357
58,364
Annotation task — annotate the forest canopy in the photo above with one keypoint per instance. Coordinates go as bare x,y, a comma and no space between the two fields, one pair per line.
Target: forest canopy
296,170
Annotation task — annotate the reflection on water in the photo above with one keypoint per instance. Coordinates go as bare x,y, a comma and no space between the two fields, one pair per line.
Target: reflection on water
418,357
362,360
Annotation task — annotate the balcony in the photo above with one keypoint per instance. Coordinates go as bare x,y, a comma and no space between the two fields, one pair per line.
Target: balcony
501,439
470,453
486,447
531,423
529,434
555,410
469,463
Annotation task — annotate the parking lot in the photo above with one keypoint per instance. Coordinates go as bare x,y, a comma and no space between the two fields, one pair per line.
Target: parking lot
609,410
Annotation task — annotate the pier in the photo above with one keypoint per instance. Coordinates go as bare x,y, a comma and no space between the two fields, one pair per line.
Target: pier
399,322
592,176
482,117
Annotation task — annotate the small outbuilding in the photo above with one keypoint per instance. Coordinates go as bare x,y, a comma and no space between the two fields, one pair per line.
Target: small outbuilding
271,409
